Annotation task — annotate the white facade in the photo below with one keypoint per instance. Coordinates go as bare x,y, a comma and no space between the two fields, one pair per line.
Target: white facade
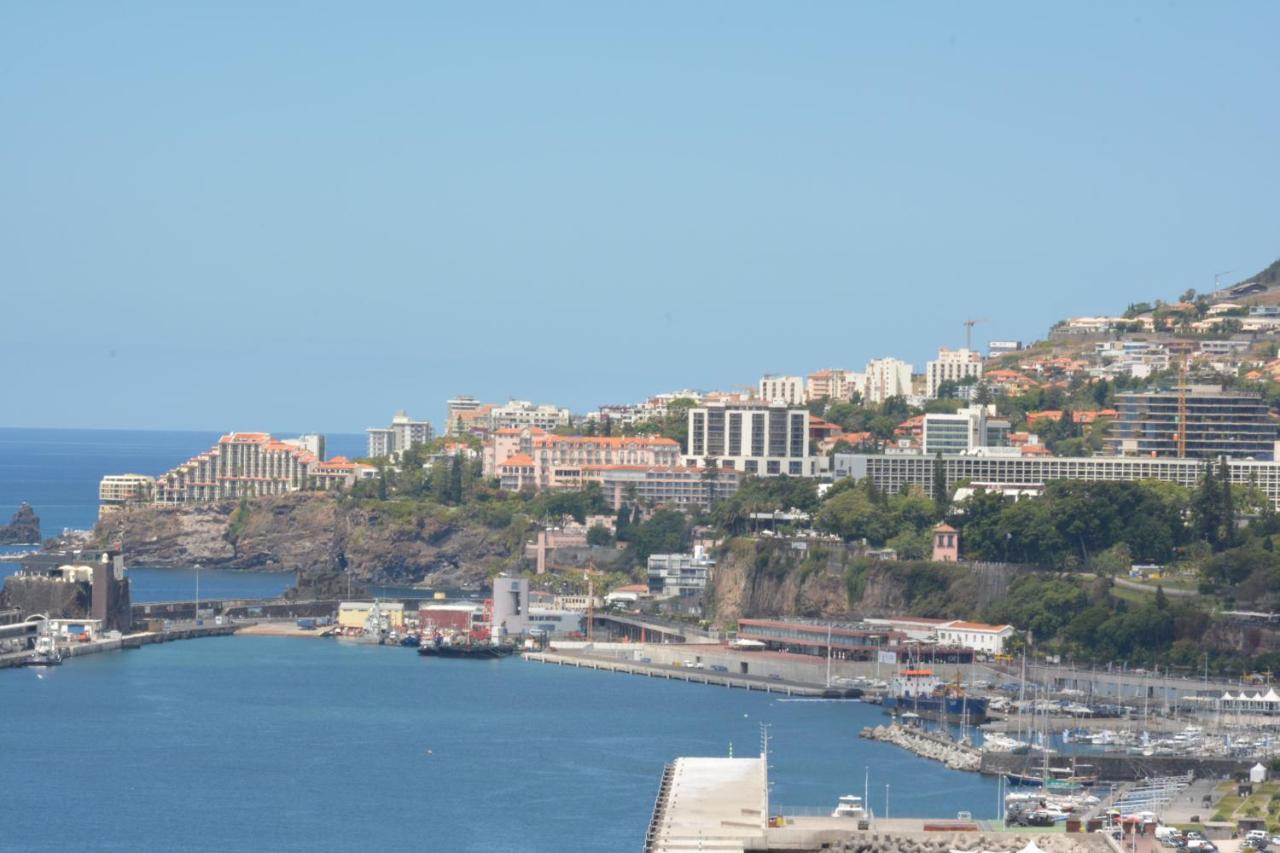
522,413
952,366
403,433
313,443
787,389
680,574
456,406
752,437
885,378
987,639
510,605
835,384
969,429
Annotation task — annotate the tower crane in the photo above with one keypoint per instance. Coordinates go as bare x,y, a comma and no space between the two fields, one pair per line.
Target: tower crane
968,331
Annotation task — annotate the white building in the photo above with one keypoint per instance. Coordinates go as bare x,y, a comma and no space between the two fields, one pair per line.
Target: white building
510,605
116,491
455,407
885,378
999,348
951,366
752,437
313,443
967,430
403,433
522,413
983,638
787,389
834,384
682,575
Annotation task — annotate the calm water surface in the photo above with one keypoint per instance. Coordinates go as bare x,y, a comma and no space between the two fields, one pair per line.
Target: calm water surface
306,744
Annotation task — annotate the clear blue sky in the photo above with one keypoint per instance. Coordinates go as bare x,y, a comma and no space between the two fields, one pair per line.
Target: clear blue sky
239,215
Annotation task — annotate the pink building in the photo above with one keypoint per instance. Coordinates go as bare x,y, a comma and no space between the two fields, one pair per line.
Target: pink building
946,544
340,472
558,460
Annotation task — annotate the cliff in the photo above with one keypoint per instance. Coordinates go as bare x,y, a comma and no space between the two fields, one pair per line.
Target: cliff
322,537
762,578
22,529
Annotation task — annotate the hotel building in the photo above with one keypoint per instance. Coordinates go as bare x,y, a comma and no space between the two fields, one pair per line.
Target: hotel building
241,464
117,491
951,366
752,437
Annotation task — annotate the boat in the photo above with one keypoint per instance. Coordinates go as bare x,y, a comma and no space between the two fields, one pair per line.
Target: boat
851,806
921,692
443,647
997,742
377,627
46,654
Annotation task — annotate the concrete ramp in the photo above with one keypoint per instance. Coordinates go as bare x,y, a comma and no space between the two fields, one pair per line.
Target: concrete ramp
711,804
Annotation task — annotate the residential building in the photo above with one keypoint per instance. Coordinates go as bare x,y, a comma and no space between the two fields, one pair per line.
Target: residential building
951,366
752,437
893,473
834,384
340,473
683,575
522,413
966,430
313,443
885,378
559,461
786,389
455,410
403,433
241,464
1219,422
117,491
663,485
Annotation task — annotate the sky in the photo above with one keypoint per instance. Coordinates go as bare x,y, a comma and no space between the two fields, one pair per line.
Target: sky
235,215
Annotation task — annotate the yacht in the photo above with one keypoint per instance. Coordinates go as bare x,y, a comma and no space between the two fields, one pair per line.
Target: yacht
851,805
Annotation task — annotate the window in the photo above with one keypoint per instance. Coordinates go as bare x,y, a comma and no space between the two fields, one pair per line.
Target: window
751,466
774,466
793,468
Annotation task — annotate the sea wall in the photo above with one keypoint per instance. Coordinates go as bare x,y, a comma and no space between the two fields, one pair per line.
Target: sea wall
1118,768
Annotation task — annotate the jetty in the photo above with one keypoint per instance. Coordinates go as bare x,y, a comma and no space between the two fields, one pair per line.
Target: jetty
689,674
935,747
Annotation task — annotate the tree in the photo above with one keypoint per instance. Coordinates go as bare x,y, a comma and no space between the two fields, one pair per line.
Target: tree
455,479
941,494
1228,509
599,536
667,531
1162,600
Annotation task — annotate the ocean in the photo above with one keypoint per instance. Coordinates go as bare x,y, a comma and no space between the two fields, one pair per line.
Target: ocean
258,743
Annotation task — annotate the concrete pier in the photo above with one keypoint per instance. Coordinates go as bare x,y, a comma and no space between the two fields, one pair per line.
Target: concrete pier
674,673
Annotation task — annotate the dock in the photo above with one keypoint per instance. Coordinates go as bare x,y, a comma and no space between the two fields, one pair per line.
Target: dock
675,673
710,804
128,641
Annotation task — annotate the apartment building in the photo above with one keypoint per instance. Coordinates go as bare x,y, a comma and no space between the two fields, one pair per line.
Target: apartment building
885,378
340,473
951,366
752,437
685,487
557,461
241,464
834,384
682,575
403,433
1219,422
456,411
522,413
786,389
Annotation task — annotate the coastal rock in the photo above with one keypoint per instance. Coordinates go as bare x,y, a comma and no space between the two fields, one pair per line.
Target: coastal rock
22,529
326,539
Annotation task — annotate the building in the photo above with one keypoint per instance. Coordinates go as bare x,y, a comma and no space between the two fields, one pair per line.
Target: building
965,431
752,437
951,366
562,461
843,641
680,575
403,433
995,349
885,378
522,413
628,594
241,464
461,616
893,473
352,615
510,606
455,409
787,389
980,637
117,491
946,544
834,384
1235,424
313,443
663,485
340,473
77,585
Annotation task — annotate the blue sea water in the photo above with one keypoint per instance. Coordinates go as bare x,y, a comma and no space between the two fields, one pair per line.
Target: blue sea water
258,743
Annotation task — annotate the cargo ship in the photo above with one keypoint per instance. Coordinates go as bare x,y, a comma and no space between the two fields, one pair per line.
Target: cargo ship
920,692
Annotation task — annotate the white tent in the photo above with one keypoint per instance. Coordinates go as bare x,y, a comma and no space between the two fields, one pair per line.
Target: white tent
1257,773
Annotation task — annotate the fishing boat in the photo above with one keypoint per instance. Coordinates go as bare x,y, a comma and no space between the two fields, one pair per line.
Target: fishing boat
447,647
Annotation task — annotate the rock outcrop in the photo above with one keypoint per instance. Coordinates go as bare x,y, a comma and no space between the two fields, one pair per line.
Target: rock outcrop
323,538
22,529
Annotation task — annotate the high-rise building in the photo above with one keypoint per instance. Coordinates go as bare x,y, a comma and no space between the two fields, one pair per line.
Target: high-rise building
885,378
834,384
1219,422
787,389
403,433
951,366
242,464
753,437
313,443
460,405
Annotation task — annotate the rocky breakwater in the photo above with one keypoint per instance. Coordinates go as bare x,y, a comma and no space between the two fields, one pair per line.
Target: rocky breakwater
956,756
22,529
974,842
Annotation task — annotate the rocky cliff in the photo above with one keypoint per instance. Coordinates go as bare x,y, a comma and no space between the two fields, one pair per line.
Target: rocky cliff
320,536
761,577
22,529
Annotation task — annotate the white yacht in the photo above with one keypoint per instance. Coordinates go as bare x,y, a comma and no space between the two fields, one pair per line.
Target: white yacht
851,805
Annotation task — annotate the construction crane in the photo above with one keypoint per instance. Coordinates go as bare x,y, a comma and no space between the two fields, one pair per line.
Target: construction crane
968,332
1182,408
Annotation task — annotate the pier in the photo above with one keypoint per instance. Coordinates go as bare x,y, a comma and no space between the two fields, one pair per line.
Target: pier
676,673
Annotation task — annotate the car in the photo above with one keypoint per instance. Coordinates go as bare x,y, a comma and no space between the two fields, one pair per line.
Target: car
1274,840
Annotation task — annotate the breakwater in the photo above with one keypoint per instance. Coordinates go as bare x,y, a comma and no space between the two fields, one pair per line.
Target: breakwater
129,641
691,675
1118,768
955,756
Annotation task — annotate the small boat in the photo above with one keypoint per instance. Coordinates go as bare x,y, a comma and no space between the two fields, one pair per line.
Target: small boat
851,806
52,658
